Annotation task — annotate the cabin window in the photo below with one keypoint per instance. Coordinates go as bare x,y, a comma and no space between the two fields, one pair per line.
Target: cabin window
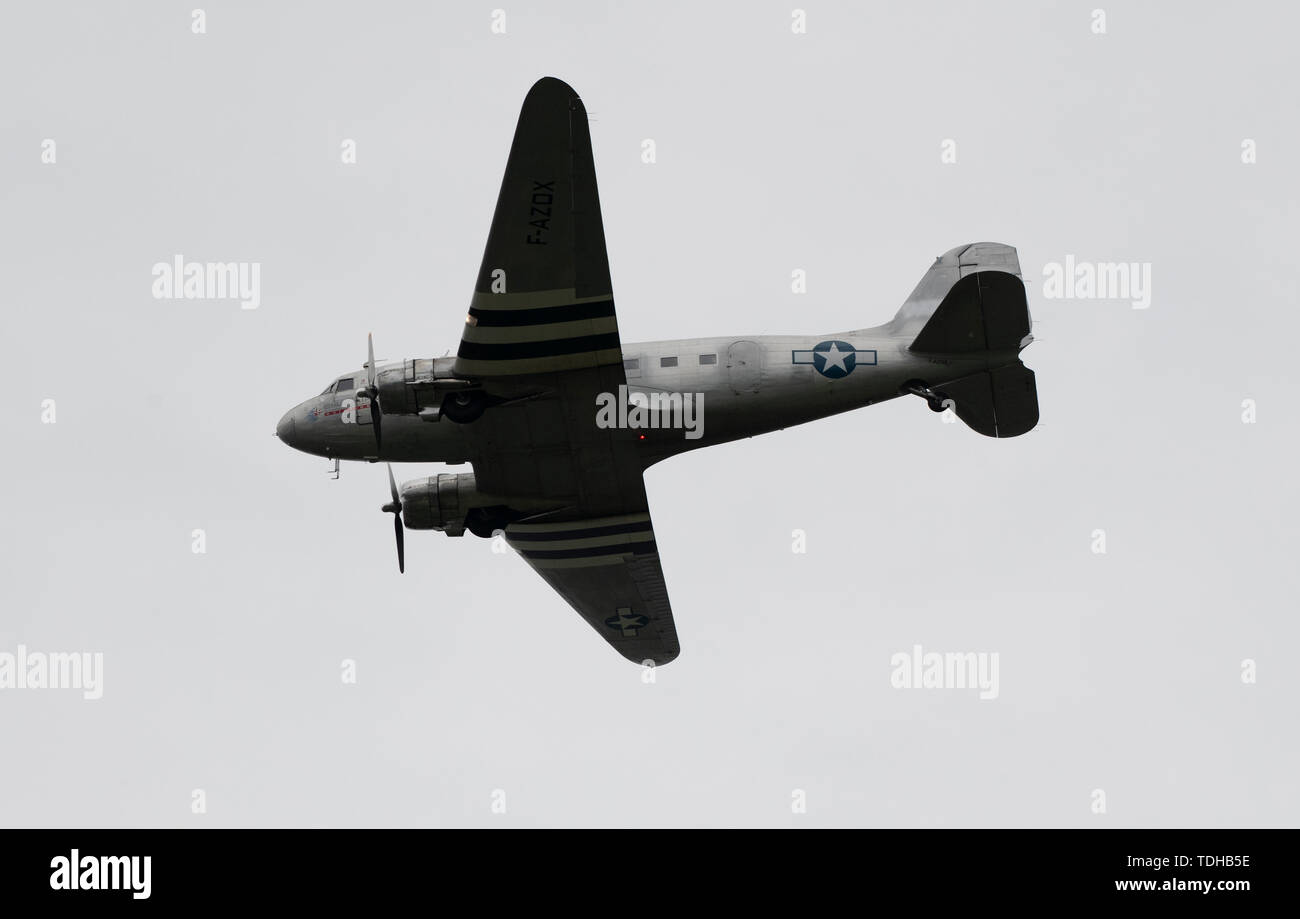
667,362
631,363
345,385
708,358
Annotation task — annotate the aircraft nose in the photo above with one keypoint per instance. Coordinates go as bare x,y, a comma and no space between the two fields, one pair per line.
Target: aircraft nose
287,430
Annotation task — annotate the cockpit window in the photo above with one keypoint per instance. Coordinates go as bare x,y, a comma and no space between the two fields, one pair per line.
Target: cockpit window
328,389
345,385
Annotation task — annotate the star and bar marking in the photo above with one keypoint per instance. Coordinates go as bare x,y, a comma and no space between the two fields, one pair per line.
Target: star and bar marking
833,359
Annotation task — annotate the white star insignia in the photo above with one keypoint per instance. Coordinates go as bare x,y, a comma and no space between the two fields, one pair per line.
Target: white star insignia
835,358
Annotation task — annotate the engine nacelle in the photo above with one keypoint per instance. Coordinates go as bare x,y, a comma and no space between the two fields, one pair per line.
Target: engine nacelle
417,385
441,502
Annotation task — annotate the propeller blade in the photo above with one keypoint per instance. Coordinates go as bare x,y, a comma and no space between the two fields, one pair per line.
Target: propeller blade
372,393
392,486
395,508
401,545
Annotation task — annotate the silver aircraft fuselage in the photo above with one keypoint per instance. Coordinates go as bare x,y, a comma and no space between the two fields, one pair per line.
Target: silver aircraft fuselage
742,386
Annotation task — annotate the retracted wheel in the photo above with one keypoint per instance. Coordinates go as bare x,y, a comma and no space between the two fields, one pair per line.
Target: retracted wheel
463,407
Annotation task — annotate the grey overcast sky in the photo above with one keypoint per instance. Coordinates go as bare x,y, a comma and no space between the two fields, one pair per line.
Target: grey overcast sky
1125,672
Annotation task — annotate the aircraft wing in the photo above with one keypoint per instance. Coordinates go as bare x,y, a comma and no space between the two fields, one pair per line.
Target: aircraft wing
607,568
543,301
541,336
541,339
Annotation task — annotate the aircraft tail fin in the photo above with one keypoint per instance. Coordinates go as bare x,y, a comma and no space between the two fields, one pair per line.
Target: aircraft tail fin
972,303
986,313
966,288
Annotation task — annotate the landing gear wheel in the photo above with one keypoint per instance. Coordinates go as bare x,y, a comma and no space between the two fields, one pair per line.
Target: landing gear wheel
484,521
938,401
463,407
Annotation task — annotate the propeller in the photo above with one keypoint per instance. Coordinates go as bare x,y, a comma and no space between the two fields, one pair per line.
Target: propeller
372,393
395,508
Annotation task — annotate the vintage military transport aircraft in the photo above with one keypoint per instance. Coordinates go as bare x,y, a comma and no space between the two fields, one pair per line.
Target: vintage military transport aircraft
559,417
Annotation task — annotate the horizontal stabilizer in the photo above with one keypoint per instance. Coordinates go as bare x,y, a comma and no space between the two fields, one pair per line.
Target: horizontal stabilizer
996,403
984,311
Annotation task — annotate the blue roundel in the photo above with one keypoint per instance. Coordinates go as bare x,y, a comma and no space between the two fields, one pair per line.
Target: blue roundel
834,359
